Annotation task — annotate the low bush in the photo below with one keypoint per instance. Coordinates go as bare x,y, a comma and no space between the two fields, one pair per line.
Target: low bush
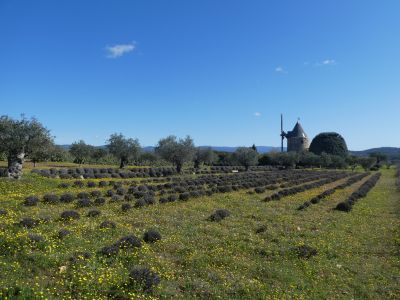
144,278
91,184
70,215
83,195
95,193
83,203
305,251
184,196
109,250
31,201
67,197
219,215
140,203
93,213
107,225
151,236
99,201
29,223
79,184
125,207
62,233
129,241
50,199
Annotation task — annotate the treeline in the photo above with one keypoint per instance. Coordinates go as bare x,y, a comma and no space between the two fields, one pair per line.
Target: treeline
29,139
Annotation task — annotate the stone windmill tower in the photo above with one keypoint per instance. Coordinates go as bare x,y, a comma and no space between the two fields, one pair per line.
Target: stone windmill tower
297,139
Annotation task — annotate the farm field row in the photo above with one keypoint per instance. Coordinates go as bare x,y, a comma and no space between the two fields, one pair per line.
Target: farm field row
261,250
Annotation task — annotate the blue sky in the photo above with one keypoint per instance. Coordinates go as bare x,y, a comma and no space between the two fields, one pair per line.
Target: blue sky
220,71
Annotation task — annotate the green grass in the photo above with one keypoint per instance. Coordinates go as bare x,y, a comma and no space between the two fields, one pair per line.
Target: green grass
358,252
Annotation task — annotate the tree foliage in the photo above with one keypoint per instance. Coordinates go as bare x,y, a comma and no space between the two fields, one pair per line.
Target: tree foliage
23,138
246,157
124,149
330,143
204,155
81,151
176,151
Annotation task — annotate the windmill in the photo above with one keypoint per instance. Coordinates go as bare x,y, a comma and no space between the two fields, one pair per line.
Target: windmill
297,139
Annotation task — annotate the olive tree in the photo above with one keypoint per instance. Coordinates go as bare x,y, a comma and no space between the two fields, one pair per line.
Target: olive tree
246,157
204,155
124,149
19,139
176,151
81,151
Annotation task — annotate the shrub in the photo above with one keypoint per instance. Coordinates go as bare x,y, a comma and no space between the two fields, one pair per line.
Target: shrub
91,184
149,200
29,223
93,213
103,183
344,206
125,207
83,203
151,236
329,143
144,277
261,229
78,184
95,193
109,250
3,212
110,193
163,200
63,185
116,198
107,224
31,201
100,201
120,191
50,198
129,241
67,197
140,203
79,256
35,238
62,233
259,190
184,196
83,195
128,197
304,205
172,198
305,251
70,215
219,215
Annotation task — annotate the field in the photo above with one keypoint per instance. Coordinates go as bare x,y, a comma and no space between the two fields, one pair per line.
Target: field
270,246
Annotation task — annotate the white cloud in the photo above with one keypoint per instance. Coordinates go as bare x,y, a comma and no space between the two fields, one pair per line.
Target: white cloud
119,50
281,70
326,62
257,114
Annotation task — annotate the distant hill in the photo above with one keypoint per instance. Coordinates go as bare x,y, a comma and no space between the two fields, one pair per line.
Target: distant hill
391,152
260,149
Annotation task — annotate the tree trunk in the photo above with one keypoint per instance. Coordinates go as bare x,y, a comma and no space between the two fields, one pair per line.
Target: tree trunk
122,163
178,168
15,163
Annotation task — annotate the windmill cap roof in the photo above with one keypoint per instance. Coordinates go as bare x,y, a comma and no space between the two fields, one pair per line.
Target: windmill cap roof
297,131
